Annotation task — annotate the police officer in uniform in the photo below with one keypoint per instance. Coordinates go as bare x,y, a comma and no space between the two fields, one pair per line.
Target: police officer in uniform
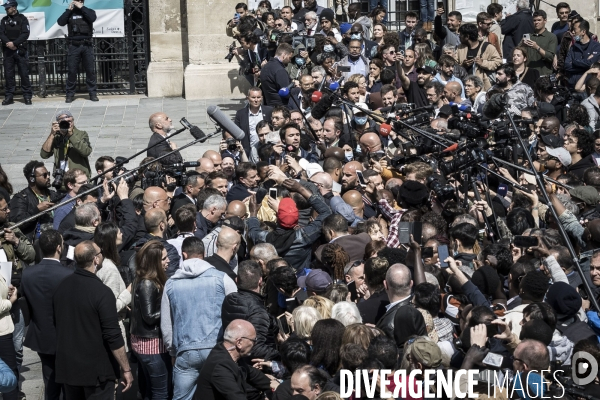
80,21
14,32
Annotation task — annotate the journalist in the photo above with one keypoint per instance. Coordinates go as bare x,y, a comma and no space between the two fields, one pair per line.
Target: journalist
69,146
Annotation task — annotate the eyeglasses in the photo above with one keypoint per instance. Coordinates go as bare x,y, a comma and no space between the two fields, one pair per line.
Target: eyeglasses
99,253
279,25
252,340
391,52
45,175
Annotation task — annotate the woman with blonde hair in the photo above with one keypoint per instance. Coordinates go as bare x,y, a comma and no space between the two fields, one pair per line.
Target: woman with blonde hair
305,319
322,304
424,56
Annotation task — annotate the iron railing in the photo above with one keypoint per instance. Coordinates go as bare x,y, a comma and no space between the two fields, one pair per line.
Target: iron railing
121,63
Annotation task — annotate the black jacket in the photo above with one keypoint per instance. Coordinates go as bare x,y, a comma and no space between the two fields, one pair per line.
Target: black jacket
172,253
386,323
580,166
513,28
145,309
250,306
161,149
243,122
24,205
239,191
219,263
24,31
273,77
179,201
372,309
221,378
203,226
87,330
38,284
88,15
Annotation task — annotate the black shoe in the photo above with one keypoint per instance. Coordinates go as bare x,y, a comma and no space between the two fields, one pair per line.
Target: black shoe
93,97
69,99
22,395
6,102
27,102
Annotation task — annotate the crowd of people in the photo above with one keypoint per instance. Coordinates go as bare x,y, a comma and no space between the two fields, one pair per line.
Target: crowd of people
388,200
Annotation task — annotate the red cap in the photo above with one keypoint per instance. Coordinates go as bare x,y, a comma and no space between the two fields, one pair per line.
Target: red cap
287,214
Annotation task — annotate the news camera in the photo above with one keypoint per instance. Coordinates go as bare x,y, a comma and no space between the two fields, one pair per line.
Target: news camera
177,172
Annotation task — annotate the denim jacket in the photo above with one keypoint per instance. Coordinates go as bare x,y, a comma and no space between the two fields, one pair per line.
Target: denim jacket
191,306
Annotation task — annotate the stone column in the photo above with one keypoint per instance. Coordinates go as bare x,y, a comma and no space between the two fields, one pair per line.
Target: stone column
168,44
208,74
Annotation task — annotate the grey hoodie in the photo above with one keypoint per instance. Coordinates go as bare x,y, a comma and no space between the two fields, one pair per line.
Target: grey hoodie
193,268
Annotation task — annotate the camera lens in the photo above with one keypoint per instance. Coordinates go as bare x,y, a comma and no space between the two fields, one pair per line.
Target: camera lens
64,124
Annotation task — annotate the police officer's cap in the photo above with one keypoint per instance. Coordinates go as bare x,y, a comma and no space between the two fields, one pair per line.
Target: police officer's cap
10,3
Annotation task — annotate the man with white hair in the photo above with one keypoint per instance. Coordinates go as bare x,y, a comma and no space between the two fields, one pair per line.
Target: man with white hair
311,22
221,376
515,26
212,211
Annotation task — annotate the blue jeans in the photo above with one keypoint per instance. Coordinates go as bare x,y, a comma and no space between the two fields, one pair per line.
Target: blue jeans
427,10
186,371
158,375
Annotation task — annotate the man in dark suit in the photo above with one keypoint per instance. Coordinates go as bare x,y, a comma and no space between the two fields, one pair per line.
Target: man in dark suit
189,192
38,284
221,376
161,124
301,97
248,117
335,230
273,76
255,56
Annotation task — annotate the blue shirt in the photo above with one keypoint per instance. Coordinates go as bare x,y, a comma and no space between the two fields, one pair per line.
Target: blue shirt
61,212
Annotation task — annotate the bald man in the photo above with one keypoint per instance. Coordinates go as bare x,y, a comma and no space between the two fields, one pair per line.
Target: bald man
324,183
236,208
550,126
215,158
398,284
370,143
160,124
157,227
336,152
156,197
452,93
228,243
221,376
349,178
206,165
392,183
355,200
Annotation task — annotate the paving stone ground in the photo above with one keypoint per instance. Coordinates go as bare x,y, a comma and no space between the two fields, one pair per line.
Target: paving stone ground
117,126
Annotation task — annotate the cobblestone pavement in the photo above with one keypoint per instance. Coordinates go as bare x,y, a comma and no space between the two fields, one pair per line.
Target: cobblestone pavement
117,126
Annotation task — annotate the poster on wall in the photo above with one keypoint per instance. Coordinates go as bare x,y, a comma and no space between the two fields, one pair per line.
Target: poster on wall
43,14
470,8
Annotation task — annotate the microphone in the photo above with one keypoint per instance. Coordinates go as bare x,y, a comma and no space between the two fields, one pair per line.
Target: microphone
196,132
335,85
186,164
494,107
321,108
450,148
284,92
385,129
460,107
316,96
224,122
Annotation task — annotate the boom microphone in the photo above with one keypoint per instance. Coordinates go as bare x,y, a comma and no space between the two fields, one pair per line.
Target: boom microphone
225,122
321,108
494,107
196,132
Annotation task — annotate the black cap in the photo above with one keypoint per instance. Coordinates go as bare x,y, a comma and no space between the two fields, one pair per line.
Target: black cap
235,223
10,3
546,109
427,69
552,141
574,14
445,110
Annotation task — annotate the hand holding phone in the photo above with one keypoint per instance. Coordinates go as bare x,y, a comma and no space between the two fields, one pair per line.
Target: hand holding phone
442,255
361,178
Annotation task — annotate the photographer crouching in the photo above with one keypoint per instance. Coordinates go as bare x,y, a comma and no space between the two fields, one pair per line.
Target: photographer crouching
69,146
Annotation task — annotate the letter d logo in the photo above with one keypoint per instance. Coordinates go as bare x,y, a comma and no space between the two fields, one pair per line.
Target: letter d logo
585,368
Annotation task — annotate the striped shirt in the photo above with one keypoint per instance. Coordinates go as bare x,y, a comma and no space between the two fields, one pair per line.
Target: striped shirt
147,345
